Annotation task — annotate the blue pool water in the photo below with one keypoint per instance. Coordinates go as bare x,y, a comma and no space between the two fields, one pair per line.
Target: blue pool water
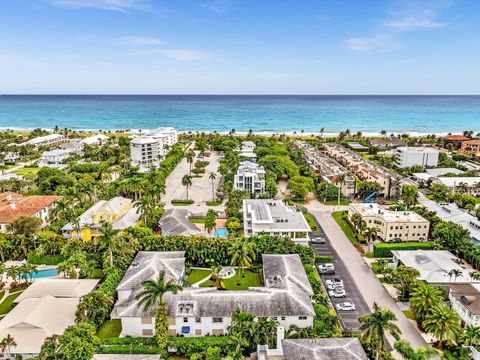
44,273
221,233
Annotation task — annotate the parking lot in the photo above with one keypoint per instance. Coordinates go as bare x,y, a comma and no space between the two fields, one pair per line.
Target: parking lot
349,319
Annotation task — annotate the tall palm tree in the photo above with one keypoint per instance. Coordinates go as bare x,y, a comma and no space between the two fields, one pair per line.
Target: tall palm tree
108,240
422,299
471,336
370,235
6,345
242,257
190,158
408,352
377,325
212,176
322,130
187,181
152,296
144,205
443,323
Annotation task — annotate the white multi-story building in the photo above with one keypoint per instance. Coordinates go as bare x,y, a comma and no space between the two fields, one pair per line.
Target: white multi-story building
149,150
460,184
46,140
248,150
202,311
56,157
411,156
275,218
465,301
392,225
251,177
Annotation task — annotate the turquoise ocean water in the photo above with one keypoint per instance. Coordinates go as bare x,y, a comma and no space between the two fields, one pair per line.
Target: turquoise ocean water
423,114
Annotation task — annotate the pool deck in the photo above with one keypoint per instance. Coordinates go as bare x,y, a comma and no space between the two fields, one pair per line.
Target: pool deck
221,223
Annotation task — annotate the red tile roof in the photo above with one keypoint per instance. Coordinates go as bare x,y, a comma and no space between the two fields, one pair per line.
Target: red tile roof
456,138
24,205
472,142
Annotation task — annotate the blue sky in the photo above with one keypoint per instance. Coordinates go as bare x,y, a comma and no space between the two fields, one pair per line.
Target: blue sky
240,47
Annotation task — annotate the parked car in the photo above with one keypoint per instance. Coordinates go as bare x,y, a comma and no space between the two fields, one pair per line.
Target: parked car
326,269
396,240
335,281
345,306
338,293
317,240
334,286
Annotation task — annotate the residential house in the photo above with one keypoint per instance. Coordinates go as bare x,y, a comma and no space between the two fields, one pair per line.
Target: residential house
434,266
203,311
465,301
275,218
248,150
44,309
11,157
416,156
250,177
460,184
147,151
47,140
118,211
454,142
56,158
175,222
13,206
97,139
389,143
392,225
471,147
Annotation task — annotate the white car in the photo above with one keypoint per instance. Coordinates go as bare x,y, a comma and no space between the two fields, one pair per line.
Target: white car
337,293
335,281
317,240
345,306
326,268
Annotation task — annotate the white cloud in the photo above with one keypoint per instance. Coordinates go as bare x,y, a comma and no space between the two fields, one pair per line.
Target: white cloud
184,55
112,5
426,19
379,43
138,41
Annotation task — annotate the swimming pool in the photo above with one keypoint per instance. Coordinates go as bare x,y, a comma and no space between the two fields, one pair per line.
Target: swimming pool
43,273
221,233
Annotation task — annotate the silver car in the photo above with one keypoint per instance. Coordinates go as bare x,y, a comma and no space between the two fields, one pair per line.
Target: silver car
337,293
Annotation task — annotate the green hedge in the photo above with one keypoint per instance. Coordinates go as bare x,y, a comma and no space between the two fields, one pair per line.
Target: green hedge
385,250
320,259
182,202
130,349
187,346
46,259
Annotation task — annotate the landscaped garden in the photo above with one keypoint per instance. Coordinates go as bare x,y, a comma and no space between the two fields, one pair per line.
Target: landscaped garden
248,278
345,226
7,304
111,329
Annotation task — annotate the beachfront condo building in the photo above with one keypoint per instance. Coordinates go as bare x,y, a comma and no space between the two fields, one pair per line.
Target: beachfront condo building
147,151
275,218
118,211
250,177
471,147
392,225
416,156
203,311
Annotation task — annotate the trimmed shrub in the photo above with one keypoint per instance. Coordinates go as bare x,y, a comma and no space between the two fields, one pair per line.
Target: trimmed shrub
319,259
186,346
182,201
385,250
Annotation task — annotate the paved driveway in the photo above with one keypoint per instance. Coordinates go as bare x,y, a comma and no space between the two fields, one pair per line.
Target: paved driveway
201,189
370,287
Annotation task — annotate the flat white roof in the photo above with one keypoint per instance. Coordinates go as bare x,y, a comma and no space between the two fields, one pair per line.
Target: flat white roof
455,181
417,149
388,215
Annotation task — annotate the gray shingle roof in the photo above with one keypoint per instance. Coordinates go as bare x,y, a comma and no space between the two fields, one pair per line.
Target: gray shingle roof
323,349
175,222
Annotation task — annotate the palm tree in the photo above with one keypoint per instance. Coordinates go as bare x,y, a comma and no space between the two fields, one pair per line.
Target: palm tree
13,272
108,240
322,130
475,275
151,296
144,204
408,352
187,181
190,157
409,195
471,336
455,273
422,299
377,325
242,257
237,343
443,323
370,235
212,176
6,345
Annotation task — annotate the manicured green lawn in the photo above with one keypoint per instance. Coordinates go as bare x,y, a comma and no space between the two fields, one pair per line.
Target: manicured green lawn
1,294
111,329
214,203
248,279
6,305
345,227
197,275
335,202
28,170
197,220
97,273
311,222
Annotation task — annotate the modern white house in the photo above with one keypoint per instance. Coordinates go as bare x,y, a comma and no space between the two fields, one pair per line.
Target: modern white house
97,139
45,308
275,218
465,300
451,212
202,311
460,184
434,266
411,156
392,225
250,177
47,140
56,157
147,151
247,150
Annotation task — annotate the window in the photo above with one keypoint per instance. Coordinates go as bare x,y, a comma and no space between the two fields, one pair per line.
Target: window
146,320
283,317
302,318
185,320
198,320
217,319
147,332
